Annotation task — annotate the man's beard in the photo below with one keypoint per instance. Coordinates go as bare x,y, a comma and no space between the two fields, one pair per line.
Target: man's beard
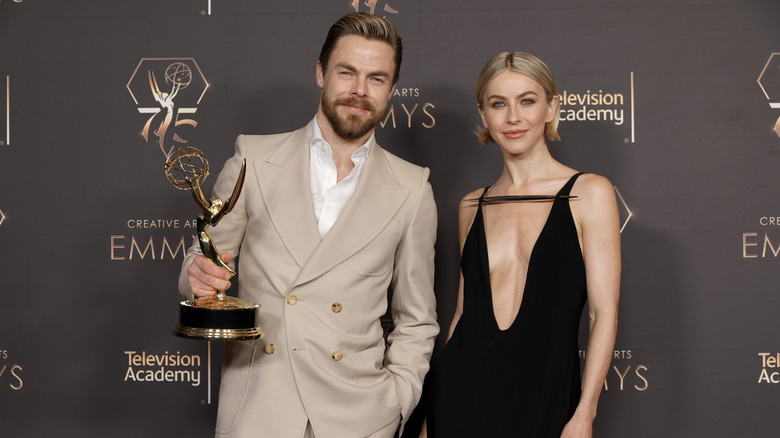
351,127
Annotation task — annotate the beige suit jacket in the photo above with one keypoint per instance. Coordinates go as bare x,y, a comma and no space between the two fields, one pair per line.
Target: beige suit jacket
323,358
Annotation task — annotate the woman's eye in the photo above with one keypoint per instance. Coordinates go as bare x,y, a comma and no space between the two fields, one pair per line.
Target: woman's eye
527,101
497,104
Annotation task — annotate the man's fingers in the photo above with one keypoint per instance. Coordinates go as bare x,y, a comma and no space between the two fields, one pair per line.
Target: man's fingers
226,257
205,277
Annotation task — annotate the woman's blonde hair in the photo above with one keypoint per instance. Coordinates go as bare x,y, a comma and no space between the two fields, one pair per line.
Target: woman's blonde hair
525,64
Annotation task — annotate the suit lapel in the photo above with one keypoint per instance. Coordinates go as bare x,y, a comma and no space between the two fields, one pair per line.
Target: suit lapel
376,200
283,178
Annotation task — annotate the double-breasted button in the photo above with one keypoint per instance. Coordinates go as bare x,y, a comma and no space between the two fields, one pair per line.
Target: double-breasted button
269,348
337,355
336,307
292,299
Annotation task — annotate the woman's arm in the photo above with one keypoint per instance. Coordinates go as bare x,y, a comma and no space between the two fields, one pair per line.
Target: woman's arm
466,213
597,215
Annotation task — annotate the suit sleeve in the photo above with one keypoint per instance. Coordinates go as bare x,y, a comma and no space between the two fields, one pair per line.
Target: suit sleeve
229,232
413,302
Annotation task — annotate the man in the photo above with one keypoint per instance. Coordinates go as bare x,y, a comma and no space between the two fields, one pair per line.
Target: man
327,223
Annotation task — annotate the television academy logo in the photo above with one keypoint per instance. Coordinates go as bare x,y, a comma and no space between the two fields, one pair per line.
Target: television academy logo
769,81
166,89
600,106
770,362
166,367
178,368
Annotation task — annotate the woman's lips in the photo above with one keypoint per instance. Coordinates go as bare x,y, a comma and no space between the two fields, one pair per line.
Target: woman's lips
515,133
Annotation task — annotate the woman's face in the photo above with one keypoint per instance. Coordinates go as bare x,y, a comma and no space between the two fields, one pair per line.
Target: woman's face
515,111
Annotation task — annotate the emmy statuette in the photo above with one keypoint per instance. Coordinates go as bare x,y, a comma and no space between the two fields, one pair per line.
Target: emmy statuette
217,317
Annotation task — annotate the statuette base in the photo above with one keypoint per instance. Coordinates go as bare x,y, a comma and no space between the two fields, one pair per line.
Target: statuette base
214,318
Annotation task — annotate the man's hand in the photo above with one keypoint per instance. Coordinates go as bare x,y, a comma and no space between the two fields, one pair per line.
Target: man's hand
205,278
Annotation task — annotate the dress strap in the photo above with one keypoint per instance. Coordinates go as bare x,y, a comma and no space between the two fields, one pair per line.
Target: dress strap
566,189
482,196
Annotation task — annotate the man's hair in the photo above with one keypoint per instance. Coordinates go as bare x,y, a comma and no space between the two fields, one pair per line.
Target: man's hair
525,64
371,27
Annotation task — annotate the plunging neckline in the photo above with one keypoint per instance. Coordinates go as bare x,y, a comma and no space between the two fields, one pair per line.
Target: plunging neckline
486,260
527,268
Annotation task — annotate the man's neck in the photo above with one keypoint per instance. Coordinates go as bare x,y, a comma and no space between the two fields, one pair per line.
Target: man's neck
342,148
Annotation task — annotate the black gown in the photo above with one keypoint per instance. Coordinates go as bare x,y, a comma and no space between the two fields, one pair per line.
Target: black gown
523,381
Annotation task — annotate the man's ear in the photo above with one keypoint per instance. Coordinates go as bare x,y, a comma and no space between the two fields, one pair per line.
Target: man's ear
320,76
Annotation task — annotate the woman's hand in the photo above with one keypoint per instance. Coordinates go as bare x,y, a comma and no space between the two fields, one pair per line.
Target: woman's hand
424,429
578,427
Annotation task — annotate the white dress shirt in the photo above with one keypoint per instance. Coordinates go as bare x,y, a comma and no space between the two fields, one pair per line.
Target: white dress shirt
329,196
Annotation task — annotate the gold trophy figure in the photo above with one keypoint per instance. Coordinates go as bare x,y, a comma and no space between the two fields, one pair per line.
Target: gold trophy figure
217,317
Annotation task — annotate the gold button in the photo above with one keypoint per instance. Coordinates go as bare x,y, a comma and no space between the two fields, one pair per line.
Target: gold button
336,307
337,355
292,299
269,348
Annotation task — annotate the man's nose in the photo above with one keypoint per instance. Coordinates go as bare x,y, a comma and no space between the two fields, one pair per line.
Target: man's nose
359,87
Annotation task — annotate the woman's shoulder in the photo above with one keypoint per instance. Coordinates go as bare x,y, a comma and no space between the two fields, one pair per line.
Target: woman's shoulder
596,199
468,199
592,184
468,210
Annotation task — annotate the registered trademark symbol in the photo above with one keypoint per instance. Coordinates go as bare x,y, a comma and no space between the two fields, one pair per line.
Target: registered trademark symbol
203,402
625,140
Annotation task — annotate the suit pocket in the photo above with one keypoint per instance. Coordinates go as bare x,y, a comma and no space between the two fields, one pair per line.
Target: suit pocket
239,358
388,393
370,373
376,258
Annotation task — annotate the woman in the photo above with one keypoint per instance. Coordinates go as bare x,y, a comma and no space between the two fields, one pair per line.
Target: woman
511,366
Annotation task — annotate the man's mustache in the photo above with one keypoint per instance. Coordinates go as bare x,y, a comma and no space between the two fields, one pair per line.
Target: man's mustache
356,101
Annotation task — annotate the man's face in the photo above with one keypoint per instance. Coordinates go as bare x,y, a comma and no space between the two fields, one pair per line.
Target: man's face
356,85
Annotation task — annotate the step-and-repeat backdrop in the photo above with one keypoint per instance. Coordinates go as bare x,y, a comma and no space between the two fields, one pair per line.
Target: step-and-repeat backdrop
675,101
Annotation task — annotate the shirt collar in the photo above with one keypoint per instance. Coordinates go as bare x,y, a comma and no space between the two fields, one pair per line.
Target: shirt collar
315,140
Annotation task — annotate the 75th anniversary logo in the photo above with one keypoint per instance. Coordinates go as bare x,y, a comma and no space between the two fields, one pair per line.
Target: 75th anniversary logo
169,91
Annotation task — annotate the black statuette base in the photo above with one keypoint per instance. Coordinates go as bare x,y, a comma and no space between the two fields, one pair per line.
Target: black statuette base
217,324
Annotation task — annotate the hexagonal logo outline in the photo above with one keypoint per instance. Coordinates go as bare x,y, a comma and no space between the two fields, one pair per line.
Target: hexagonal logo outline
776,103
165,89
625,205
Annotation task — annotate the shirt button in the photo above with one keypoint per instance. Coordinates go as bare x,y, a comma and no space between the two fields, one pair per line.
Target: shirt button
337,355
336,307
292,299
269,349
